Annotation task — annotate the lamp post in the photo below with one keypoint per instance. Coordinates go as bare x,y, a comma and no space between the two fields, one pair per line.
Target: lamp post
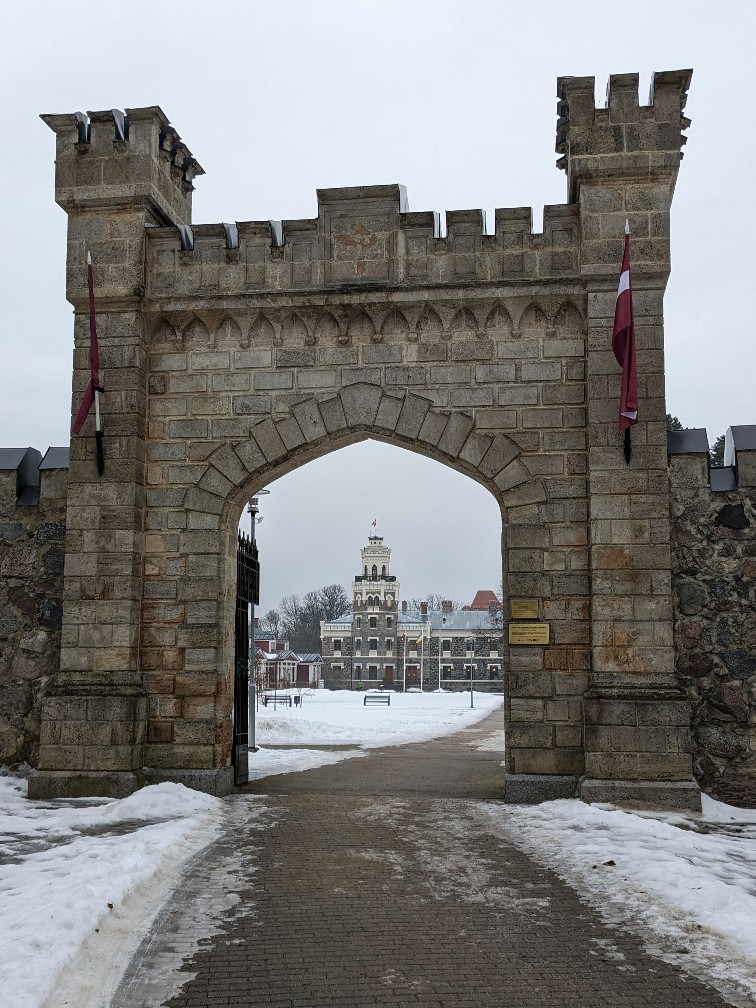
440,642
471,641
252,509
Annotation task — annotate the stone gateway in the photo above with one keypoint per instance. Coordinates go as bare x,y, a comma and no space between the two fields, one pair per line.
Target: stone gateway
232,354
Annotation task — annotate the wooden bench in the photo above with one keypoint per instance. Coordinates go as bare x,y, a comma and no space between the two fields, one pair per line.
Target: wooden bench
384,698
276,700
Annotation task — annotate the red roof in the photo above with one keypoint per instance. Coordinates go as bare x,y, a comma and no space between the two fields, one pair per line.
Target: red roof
483,600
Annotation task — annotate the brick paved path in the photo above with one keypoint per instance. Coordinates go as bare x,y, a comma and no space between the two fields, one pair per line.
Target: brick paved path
373,883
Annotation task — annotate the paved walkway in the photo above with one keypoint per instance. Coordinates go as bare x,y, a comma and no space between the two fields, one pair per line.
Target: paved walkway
374,883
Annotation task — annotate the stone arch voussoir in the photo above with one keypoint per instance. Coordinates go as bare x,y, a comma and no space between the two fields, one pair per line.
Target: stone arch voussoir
493,459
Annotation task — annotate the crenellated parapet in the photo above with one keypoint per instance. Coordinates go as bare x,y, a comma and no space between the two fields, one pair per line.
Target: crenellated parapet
115,173
624,138
690,471
363,238
114,158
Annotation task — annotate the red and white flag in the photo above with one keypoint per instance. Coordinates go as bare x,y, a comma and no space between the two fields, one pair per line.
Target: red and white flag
623,342
93,389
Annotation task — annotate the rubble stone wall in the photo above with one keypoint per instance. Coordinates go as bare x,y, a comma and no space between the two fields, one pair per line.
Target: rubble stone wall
714,578
32,552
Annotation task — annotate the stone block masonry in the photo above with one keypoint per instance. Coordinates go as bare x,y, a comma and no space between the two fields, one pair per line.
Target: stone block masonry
234,355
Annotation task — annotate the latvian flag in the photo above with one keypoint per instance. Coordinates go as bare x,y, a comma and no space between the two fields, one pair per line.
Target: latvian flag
623,344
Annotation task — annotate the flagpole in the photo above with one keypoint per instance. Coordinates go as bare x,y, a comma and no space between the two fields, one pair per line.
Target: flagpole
99,451
94,388
627,446
422,643
404,664
623,345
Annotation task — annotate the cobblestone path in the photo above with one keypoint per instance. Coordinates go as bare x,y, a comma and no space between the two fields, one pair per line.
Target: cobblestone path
372,883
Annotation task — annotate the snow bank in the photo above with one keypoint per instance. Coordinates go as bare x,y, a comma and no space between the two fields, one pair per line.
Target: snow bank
70,871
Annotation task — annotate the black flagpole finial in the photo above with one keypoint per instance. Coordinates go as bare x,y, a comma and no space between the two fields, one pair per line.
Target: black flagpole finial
628,446
99,452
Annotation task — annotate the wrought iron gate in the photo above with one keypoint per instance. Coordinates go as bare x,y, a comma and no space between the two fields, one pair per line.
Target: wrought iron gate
247,593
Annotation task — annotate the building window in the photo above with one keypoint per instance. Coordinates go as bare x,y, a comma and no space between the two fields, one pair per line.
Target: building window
357,644
372,671
374,573
389,644
358,671
336,646
373,622
373,643
446,646
358,622
383,570
446,671
389,622
493,649
337,668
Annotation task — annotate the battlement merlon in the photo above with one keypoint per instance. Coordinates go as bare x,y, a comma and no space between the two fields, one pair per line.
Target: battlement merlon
625,141
139,162
689,463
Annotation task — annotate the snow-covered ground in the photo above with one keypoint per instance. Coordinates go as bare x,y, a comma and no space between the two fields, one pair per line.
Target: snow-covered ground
84,878
342,718
81,880
86,871
686,881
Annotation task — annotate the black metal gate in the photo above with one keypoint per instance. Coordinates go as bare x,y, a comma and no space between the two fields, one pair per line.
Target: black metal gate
247,593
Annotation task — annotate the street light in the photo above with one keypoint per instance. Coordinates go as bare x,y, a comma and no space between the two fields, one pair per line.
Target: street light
252,509
471,647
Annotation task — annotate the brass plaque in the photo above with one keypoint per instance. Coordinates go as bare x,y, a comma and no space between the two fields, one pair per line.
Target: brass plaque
529,633
524,608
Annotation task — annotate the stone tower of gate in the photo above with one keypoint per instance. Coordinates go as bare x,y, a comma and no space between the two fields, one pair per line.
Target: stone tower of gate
232,354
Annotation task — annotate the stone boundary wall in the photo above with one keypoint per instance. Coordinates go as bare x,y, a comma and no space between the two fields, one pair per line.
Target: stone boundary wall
32,550
714,579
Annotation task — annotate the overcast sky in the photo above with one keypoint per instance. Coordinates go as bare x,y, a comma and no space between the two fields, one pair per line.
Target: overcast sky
456,100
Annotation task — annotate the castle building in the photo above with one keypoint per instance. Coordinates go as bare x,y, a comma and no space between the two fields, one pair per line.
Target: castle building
380,643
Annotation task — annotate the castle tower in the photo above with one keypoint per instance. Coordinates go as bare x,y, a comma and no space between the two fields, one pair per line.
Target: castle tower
375,594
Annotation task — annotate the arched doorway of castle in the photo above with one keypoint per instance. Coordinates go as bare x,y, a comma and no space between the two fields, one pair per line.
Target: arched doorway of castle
433,529
362,411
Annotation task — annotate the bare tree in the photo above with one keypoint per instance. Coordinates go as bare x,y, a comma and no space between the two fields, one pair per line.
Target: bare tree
434,601
270,623
300,618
